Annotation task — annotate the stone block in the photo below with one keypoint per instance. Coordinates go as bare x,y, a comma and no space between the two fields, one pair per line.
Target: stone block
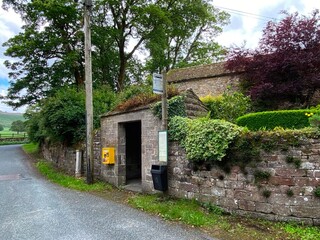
304,221
248,195
316,221
247,205
277,198
304,211
230,193
264,207
305,181
219,192
233,184
289,172
307,165
316,173
188,187
279,180
281,210
228,203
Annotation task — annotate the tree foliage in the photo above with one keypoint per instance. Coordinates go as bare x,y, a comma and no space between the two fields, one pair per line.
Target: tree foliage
186,36
1,127
18,126
285,67
62,117
49,50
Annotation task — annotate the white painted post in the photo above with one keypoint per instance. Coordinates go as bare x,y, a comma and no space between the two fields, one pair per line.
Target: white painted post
78,163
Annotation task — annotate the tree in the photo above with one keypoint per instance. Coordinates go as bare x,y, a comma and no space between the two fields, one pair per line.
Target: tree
1,127
285,68
186,38
18,126
49,50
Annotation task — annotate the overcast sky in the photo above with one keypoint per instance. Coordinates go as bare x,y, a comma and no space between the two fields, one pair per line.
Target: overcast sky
248,18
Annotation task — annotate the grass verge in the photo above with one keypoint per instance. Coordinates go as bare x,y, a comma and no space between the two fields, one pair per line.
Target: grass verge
212,220
54,175
31,148
183,210
64,180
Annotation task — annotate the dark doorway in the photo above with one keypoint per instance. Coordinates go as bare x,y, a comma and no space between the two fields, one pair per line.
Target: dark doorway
133,150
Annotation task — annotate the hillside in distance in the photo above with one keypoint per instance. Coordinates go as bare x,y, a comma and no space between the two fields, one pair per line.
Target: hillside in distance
7,118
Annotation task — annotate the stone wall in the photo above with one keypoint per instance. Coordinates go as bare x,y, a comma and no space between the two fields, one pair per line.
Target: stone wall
240,193
64,157
210,79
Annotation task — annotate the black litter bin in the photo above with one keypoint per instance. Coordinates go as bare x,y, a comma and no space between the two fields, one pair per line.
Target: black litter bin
159,177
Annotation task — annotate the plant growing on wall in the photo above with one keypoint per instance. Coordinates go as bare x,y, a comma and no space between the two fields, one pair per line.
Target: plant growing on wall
228,106
176,107
203,139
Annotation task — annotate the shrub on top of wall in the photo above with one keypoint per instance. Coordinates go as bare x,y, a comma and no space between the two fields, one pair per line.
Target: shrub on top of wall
176,107
289,119
228,106
203,139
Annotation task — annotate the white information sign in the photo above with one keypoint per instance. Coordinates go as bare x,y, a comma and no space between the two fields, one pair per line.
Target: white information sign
157,83
163,146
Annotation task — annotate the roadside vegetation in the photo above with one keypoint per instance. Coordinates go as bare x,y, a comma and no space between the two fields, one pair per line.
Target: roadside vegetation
60,178
206,217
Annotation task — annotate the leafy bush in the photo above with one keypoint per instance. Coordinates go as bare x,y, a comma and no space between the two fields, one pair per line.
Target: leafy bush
290,119
176,107
62,117
314,119
204,139
228,106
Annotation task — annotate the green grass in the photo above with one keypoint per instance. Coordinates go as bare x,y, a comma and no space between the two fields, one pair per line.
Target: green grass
186,211
31,148
302,232
64,180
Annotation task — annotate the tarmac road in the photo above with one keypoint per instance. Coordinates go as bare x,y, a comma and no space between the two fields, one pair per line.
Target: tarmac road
33,208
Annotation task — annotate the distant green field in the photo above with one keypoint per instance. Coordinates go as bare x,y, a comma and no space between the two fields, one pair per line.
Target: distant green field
6,133
7,118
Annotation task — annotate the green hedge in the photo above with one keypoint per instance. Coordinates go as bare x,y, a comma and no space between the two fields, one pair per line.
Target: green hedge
288,119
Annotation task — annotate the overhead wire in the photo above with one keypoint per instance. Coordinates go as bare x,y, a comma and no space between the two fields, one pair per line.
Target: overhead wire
246,14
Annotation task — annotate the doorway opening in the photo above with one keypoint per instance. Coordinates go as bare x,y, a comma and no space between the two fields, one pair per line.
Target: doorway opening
133,152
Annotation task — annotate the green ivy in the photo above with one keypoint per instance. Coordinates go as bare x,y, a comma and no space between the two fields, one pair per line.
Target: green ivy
203,139
176,107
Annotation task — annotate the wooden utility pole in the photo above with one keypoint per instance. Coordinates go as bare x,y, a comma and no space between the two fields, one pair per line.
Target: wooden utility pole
88,83
164,102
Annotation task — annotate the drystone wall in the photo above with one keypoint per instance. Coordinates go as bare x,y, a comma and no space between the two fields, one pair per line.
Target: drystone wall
288,194
64,157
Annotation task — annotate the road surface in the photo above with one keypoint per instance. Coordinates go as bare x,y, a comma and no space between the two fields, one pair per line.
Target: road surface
33,208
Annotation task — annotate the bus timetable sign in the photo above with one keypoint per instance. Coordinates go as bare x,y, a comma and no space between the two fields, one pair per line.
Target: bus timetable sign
157,83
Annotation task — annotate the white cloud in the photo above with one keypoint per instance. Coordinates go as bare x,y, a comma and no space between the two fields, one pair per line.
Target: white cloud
253,16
